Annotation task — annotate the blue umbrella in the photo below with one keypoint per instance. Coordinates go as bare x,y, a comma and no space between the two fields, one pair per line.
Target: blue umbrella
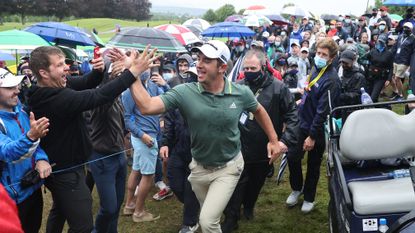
399,3
6,57
61,34
228,29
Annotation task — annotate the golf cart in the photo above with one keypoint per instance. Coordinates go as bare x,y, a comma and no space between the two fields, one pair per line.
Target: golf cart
368,160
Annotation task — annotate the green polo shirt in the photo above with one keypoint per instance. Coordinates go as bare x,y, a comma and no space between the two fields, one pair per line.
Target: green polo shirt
212,118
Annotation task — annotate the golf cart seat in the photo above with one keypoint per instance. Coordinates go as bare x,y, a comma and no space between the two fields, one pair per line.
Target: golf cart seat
372,134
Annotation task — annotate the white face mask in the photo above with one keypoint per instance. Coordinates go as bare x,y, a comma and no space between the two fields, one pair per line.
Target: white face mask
167,76
347,20
332,26
382,27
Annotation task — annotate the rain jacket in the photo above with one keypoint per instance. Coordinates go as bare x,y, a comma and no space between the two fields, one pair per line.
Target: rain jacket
18,153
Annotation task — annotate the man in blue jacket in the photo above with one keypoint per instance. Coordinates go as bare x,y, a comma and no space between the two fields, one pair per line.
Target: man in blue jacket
312,112
19,152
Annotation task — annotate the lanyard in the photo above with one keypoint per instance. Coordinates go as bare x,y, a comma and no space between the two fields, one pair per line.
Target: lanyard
310,84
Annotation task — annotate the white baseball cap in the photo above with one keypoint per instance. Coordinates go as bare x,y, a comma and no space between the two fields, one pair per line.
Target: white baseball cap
214,49
409,25
7,79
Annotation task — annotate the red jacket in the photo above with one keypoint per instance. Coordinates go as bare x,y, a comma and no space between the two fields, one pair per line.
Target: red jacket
9,218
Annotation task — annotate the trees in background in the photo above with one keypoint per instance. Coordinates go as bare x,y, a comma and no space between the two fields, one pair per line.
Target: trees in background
123,9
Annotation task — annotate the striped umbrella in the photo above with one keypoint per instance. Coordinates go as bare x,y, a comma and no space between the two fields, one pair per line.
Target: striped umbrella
281,170
200,23
140,37
182,33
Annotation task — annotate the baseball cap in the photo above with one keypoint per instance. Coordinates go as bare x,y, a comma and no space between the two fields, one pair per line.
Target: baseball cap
305,17
192,70
295,43
7,79
168,67
304,49
349,39
214,49
409,25
383,8
257,43
382,22
347,56
336,38
292,63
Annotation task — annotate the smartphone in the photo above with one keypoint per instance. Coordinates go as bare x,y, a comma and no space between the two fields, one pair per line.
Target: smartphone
96,52
154,69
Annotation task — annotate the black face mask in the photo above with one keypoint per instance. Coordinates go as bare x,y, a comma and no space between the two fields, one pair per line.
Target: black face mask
374,14
253,77
408,16
407,31
339,28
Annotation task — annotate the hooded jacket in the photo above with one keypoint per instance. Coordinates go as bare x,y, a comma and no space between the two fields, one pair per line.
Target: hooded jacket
67,143
18,152
280,105
178,79
351,82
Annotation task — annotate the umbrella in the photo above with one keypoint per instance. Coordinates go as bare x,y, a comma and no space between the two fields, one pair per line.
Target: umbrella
182,34
61,34
228,29
234,18
277,19
295,11
201,23
196,30
399,3
256,21
281,170
6,57
395,17
15,39
329,17
256,10
95,38
140,37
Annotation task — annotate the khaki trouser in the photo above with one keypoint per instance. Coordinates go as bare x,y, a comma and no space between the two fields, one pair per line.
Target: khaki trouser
213,188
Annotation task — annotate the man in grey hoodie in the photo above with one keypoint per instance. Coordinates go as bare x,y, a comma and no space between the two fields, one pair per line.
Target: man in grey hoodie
183,64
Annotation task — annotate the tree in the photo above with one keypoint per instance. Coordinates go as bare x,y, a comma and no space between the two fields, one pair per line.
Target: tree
210,16
23,8
399,10
241,11
223,12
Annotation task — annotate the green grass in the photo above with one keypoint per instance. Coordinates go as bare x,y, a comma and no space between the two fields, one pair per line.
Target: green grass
271,213
104,26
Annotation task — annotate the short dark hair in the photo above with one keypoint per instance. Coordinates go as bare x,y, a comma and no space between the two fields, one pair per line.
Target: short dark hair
39,58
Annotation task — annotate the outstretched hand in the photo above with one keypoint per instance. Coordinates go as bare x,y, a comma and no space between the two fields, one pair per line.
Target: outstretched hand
142,62
38,128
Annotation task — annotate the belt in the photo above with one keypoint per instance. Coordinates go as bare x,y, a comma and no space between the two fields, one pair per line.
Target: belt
216,168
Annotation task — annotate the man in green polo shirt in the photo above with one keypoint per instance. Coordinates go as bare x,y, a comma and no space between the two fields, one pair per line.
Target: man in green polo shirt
212,107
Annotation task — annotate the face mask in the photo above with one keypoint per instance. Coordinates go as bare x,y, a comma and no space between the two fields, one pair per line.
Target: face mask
382,27
339,28
408,16
361,24
145,75
320,62
407,31
380,47
347,20
167,76
253,77
283,34
374,14
277,44
341,18
332,27
281,62
239,48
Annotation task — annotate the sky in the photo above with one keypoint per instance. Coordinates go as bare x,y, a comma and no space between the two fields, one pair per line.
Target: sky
355,7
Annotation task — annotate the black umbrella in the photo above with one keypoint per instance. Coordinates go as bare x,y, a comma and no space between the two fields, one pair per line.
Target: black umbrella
139,38
328,17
